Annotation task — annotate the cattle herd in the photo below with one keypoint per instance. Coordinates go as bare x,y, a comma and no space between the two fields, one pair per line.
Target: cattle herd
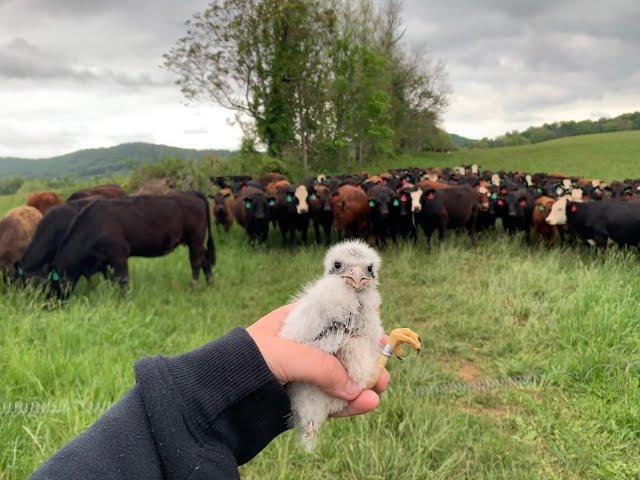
54,242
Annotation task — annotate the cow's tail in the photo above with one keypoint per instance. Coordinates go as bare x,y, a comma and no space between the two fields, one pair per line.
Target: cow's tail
210,251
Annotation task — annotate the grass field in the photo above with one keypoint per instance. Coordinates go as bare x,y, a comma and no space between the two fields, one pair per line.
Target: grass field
531,365
608,156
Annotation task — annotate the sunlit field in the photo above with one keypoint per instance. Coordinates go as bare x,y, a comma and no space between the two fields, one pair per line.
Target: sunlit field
530,366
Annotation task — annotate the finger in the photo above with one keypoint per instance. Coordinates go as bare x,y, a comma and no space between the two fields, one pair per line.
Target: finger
382,383
367,401
316,367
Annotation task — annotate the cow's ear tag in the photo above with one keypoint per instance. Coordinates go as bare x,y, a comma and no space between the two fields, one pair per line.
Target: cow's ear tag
494,196
372,203
55,276
312,196
541,208
396,202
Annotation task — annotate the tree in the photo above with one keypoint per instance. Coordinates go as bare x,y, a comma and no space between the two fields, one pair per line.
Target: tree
318,78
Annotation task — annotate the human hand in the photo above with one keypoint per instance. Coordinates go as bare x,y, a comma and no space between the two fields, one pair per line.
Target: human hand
290,361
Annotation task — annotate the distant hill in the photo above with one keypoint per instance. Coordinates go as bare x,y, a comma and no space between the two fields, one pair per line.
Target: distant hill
556,130
461,142
100,161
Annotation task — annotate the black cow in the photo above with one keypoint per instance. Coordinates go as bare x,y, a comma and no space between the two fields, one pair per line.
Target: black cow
51,230
455,207
597,222
385,209
291,212
321,211
107,232
251,210
516,216
405,223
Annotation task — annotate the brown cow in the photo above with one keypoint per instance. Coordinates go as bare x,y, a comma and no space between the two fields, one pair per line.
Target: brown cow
104,191
43,201
541,229
221,208
351,211
273,187
16,231
268,178
251,210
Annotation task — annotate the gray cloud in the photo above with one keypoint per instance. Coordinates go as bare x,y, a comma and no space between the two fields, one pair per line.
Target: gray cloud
511,64
537,60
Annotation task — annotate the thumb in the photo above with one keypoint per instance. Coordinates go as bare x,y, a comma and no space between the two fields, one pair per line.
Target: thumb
304,363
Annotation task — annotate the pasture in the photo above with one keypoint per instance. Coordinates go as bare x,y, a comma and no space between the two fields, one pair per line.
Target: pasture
530,368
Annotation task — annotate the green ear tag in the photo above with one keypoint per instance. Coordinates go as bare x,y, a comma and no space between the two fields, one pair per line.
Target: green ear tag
541,208
494,196
289,198
312,196
55,276
396,202
19,271
247,204
372,203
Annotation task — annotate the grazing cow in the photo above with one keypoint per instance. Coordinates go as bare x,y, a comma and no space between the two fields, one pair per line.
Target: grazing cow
385,206
351,211
321,212
597,223
16,232
541,229
448,208
107,232
103,191
222,210
43,201
251,211
51,230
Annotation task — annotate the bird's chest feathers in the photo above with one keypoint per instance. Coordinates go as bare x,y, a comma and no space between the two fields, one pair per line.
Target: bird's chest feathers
349,326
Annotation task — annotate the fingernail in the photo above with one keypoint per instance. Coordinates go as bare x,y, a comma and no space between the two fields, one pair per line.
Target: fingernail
353,389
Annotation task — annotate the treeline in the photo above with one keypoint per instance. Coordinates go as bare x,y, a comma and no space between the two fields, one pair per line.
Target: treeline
325,83
551,131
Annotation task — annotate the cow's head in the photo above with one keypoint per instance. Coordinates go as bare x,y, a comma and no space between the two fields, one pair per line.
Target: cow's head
301,194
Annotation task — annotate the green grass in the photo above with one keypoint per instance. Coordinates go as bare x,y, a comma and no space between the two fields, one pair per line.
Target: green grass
567,319
608,156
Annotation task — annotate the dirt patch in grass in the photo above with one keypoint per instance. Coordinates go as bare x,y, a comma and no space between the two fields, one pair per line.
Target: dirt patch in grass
469,372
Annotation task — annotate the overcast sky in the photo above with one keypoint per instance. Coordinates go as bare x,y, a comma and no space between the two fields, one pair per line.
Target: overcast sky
85,73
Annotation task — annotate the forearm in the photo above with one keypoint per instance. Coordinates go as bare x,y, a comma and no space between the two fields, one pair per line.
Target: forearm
211,410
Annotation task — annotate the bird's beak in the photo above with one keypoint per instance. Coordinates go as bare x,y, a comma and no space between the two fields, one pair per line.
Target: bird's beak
356,277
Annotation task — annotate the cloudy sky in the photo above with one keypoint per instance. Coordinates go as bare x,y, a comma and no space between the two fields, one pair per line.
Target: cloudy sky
85,73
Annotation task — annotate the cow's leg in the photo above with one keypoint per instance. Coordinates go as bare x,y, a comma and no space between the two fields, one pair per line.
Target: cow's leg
316,231
196,257
327,233
121,270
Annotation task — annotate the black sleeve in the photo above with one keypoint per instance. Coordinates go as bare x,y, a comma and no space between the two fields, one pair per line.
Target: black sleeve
197,415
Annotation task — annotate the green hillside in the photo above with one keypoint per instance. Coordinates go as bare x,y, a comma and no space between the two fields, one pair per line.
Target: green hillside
99,161
604,155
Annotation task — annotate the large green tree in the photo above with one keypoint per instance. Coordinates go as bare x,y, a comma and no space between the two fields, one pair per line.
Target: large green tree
319,79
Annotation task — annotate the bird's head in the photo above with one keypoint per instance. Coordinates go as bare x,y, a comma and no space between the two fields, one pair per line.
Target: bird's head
355,262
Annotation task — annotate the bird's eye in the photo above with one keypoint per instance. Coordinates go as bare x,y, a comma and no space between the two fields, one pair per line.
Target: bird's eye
337,265
370,269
